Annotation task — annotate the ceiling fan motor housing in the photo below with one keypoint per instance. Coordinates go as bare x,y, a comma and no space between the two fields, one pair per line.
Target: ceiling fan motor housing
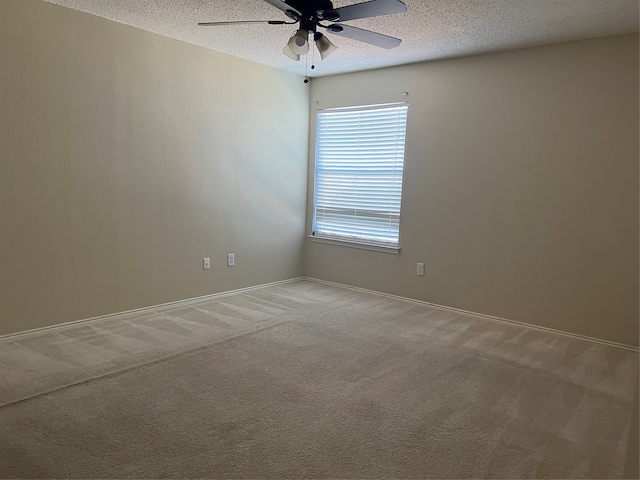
310,9
308,25
312,12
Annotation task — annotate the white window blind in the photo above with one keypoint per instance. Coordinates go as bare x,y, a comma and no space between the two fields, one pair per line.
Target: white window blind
358,175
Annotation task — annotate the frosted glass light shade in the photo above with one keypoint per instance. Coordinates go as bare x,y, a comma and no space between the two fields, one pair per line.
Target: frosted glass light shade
287,51
325,47
299,42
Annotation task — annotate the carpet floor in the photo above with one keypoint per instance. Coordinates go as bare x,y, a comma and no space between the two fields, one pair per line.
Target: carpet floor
305,380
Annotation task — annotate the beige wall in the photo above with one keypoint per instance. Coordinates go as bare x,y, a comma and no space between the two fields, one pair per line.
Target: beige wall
127,157
521,186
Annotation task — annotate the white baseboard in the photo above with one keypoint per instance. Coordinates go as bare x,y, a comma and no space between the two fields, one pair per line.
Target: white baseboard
153,308
481,315
185,302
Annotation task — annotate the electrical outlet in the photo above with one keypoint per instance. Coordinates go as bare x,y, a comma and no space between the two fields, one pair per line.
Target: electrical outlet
420,269
231,259
206,263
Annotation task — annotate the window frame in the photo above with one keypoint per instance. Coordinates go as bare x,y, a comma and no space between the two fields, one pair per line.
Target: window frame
356,241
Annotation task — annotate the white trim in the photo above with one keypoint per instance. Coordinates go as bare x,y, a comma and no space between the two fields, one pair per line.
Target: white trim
481,315
363,108
152,308
354,244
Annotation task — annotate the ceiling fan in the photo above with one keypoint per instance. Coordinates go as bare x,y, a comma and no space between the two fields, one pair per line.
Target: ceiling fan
311,13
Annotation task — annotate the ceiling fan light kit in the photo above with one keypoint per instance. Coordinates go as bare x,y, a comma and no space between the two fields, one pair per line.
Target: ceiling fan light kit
310,13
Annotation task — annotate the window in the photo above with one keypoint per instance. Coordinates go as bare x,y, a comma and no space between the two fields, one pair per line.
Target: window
358,175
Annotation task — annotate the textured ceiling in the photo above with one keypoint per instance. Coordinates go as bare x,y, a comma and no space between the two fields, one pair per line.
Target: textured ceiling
431,29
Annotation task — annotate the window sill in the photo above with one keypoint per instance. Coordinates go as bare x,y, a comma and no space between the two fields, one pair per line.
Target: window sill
355,244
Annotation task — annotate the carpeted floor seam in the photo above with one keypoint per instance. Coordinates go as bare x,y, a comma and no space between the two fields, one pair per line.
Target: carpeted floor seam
135,366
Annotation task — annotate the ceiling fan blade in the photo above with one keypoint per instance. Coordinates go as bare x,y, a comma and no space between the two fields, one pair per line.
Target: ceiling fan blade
372,8
284,6
270,22
366,36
